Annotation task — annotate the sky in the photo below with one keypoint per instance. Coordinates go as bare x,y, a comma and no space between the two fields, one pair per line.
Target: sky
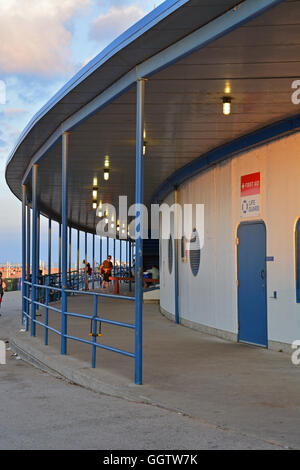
43,43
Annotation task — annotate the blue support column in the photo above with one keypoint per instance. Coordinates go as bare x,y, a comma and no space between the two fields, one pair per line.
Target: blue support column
59,256
24,197
130,265
64,248
85,257
114,256
78,254
70,257
100,250
107,247
49,248
139,234
176,286
28,261
93,279
34,248
120,257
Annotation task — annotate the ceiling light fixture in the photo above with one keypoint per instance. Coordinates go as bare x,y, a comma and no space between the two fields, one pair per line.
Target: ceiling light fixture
226,105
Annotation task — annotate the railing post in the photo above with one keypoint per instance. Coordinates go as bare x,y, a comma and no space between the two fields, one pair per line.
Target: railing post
34,248
46,317
94,331
64,306
139,234
24,196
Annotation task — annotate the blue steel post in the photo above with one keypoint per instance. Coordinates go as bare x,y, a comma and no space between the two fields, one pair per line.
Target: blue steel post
93,279
85,257
139,234
107,247
70,257
28,261
78,261
34,249
64,214
120,257
49,248
38,242
59,256
176,260
114,256
23,251
94,331
129,266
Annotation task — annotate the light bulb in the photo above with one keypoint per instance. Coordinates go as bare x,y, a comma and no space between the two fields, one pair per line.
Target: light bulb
226,106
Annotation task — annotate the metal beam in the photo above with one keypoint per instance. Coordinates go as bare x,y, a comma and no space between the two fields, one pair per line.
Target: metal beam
139,234
64,214
24,197
34,249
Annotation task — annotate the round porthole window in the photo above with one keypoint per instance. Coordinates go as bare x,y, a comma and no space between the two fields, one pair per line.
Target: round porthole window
170,254
194,252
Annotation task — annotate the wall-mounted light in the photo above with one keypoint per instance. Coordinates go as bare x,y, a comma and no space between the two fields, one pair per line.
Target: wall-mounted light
94,205
226,105
144,148
95,182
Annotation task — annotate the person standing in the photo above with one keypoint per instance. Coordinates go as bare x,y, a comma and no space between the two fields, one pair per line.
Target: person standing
88,271
3,287
106,268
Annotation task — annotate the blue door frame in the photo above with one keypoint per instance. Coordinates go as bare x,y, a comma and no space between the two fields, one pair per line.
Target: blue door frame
252,283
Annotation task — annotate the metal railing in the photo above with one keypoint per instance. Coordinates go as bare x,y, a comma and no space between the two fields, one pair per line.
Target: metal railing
49,290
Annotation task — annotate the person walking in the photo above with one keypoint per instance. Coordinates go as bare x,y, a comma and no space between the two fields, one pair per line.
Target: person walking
3,287
106,269
88,271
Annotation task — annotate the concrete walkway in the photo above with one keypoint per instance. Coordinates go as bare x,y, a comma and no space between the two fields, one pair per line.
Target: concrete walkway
244,390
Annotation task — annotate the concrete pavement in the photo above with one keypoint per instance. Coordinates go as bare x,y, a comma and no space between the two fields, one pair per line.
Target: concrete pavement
249,395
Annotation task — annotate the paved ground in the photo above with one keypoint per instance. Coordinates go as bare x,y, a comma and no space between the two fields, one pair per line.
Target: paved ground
230,396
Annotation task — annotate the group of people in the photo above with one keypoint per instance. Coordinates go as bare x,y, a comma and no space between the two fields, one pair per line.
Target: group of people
105,270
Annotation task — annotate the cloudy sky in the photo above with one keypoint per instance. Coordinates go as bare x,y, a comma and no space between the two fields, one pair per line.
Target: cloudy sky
43,43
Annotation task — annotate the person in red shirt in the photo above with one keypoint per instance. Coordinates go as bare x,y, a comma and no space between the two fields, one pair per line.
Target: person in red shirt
105,270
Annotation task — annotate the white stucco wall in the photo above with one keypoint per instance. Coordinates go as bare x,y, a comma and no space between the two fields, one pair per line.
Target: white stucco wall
210,298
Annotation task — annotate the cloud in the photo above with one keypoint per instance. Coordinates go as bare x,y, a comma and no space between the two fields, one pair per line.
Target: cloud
14,111
115,21
34,38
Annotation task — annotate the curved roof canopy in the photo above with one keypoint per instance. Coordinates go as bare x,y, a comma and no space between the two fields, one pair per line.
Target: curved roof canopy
190,51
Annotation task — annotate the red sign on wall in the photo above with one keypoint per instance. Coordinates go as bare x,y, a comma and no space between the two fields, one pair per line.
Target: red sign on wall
250,195
250,184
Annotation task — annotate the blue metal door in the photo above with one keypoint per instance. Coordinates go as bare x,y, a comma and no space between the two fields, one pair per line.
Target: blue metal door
252,290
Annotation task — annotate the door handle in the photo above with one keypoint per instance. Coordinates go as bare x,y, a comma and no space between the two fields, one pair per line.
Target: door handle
262,274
